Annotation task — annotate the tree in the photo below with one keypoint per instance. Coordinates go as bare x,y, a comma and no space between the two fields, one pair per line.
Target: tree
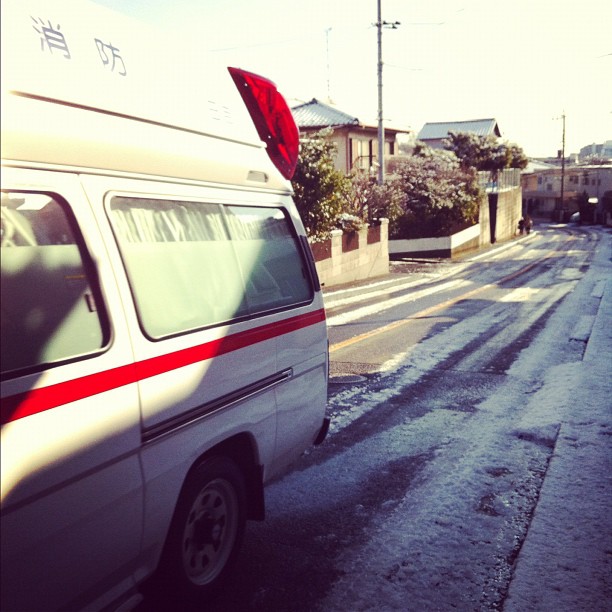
318,186
485,153
440,196
472,150
516,156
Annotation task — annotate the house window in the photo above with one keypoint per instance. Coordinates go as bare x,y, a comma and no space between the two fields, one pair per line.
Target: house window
355,153
361,154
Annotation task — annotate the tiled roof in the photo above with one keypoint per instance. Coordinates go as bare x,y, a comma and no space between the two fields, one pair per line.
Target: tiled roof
315,114
482,127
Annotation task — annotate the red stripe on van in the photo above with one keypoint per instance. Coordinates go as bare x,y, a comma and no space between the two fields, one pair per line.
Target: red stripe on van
32,402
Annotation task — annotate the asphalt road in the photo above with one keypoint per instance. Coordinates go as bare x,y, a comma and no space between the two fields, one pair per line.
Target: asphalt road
423,493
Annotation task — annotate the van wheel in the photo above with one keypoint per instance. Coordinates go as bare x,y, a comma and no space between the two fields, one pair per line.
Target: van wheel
207,529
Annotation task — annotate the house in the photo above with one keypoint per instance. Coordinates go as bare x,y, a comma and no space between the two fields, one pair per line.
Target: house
434,134
529,184
542,189
357,142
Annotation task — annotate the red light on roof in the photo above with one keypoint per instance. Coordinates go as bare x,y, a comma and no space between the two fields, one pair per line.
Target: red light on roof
272,118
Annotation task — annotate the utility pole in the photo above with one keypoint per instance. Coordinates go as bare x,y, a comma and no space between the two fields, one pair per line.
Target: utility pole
563,168
381,130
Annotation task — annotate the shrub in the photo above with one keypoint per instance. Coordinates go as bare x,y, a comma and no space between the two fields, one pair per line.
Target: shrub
428,194
318,186
440,197
349,223
369,201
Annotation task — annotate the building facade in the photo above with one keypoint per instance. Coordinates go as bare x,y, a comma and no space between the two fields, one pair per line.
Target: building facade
603,151
546,195
356,142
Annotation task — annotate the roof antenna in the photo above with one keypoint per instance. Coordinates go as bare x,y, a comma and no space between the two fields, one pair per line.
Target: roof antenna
327,31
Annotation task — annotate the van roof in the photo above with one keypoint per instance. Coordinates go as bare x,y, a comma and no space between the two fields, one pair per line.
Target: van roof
85,54
79,55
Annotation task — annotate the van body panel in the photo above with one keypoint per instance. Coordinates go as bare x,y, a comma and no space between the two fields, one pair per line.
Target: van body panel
306,351
54,132
68,450
164,468
69,540
157,303
219,359
144,410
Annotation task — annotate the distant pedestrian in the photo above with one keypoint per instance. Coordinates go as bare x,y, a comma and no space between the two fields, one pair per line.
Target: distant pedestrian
521,226
528,223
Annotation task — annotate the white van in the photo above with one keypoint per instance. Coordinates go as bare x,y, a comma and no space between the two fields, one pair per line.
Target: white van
163,336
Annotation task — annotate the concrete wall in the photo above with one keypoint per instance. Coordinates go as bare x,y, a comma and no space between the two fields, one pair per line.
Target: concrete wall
446,246
500,213
350,257
499,219
365,254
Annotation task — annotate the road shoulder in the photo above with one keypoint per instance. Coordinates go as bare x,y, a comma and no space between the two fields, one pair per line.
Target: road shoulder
566,560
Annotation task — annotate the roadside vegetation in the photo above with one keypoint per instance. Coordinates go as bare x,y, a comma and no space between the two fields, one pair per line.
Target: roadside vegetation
485,153
427,194
440,196
319,188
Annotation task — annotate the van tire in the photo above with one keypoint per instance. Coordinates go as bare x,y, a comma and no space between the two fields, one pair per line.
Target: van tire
206,531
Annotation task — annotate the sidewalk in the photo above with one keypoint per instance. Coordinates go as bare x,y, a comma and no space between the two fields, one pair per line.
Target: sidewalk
565,564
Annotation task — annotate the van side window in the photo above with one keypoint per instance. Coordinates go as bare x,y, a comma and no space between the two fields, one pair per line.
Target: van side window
193,264
48,308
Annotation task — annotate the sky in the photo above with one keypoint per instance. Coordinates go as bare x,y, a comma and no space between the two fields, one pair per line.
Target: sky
525,63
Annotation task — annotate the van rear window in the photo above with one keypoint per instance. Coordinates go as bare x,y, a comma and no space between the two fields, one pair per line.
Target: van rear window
49,313
193,264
